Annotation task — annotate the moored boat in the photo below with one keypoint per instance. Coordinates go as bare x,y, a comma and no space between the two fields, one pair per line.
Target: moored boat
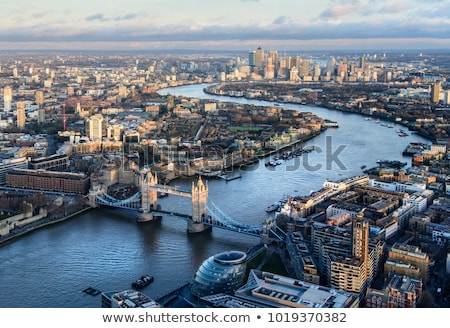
143,281
272,208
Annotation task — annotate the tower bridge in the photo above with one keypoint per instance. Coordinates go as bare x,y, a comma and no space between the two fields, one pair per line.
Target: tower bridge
205,213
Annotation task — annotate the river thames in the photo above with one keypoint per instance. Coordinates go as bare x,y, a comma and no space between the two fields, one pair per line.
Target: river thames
106,249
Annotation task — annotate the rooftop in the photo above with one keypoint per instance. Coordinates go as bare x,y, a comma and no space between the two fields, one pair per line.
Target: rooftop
280,291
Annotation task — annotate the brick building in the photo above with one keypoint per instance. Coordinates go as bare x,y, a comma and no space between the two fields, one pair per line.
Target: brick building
64,182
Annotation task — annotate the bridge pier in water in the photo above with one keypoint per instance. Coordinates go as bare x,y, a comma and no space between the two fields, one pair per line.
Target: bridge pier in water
149,197
199,210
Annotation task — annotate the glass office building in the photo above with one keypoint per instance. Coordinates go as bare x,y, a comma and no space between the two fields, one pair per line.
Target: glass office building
221,273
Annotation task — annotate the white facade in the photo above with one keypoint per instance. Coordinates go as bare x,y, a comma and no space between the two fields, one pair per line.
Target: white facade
391,229
403,214
345,184
7,98
336,209
439,148
417,201
398,186
382,185
94,127
440,237
8,165
447,97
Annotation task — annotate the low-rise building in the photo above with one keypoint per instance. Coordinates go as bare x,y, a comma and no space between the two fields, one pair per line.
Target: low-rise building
274,290
400,292
58,162
61,182
7,165
410,255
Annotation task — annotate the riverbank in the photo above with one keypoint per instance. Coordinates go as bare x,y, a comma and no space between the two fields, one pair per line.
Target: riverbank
337,103
39,225
288,145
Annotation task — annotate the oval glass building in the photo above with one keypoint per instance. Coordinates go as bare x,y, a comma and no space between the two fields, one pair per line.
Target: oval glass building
221,273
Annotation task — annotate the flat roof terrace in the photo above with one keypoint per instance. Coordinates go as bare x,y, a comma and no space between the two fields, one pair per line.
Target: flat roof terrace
278,290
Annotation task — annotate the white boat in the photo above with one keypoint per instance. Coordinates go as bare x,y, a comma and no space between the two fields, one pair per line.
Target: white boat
272,208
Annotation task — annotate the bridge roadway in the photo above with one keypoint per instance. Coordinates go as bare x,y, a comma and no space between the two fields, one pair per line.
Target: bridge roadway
171,190
181,215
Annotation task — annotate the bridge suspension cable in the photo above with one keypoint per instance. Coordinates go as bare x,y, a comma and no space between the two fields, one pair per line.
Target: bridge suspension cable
133,202
218,217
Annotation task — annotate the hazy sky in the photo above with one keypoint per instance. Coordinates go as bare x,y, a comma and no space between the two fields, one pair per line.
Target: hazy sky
225,24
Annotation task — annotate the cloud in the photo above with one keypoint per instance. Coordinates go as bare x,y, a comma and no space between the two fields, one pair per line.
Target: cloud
126,17
100,17
97,17
319,31
281,20
100,27
395,6
340,8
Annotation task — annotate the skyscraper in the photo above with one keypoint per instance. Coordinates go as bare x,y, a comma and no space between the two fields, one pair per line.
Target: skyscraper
256,58
7,98
269,69
41,115
259,57
39,97
331,66
353,273
21,117
273,55
317,69
435,90
361,62
251,58
304,68
360,238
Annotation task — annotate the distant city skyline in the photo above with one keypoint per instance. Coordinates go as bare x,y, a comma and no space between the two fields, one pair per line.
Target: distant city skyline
225,25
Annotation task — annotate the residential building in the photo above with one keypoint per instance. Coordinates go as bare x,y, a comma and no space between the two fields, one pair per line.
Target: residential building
400,292
20,115
60,182
435,90
58,162
94,127
409,254
39,97
7,165
7,98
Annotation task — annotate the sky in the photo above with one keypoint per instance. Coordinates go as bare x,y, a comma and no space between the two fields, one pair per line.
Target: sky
225,24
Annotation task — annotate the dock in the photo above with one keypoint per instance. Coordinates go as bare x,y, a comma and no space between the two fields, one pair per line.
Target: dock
230,177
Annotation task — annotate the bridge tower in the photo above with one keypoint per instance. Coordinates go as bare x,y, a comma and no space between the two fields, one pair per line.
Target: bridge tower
148,197
199,211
